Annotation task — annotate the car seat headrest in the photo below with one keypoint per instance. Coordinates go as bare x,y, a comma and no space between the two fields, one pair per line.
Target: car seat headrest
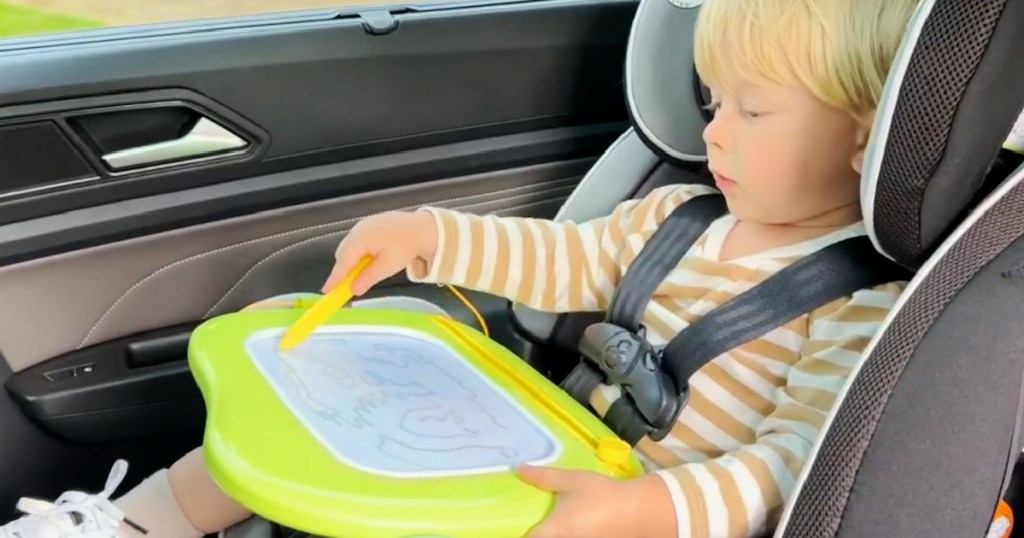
661,82
951,98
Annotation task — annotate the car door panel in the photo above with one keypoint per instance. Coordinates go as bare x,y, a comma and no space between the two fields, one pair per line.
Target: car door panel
193,273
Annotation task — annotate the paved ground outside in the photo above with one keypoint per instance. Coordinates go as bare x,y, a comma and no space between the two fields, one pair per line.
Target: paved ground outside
19,17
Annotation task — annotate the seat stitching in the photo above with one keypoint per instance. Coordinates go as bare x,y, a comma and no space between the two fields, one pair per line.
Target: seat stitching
113,307
322,236
592,173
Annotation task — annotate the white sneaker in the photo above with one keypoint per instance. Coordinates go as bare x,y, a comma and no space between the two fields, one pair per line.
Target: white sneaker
74,515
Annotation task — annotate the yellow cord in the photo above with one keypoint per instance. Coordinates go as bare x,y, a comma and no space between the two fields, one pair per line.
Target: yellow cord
469,305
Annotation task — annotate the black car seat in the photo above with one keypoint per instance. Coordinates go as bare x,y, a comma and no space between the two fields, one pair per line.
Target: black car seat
924,436
923,439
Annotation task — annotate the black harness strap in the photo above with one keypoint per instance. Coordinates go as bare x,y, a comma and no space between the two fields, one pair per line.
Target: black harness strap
662,253
667,246
656,385
836,271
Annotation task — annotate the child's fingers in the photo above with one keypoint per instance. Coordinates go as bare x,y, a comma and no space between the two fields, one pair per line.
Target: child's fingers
346,259
383,266
332,280
548,478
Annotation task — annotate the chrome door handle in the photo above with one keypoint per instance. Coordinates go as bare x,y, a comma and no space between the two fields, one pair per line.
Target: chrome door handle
205,139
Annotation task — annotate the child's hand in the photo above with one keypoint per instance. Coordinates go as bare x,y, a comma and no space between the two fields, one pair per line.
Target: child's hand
591,505
393,239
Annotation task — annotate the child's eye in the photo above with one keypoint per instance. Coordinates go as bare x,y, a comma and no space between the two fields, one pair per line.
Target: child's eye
713,106
751,114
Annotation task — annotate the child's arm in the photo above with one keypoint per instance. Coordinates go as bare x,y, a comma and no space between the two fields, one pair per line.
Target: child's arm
741,492
549,266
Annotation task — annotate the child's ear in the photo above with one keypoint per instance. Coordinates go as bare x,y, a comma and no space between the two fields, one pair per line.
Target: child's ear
857,161
863,134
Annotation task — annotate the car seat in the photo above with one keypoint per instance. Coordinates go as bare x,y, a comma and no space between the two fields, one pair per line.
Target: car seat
922,439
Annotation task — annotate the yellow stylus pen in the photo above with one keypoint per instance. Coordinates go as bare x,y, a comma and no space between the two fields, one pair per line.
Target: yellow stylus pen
327,305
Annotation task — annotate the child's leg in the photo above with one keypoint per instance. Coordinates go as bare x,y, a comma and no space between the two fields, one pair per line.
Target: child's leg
181,502
205,505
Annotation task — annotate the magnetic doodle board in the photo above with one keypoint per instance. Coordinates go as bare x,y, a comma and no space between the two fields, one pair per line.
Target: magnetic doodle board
397,403
385,424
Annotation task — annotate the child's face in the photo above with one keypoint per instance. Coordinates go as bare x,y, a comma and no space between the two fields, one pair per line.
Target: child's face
781,156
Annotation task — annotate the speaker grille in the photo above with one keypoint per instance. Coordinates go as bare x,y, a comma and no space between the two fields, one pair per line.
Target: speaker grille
38,154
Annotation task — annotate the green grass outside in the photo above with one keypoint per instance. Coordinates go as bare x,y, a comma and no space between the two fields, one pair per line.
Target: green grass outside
20,21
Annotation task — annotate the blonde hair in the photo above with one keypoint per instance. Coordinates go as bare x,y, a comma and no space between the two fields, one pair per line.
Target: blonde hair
839,50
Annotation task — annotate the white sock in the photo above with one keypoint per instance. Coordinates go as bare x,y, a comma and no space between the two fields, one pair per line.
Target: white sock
152,506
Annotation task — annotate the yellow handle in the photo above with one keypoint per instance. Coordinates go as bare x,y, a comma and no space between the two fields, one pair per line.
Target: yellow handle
319,312
614,451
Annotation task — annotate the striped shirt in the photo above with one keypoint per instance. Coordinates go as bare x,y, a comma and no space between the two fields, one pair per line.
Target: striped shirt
732,458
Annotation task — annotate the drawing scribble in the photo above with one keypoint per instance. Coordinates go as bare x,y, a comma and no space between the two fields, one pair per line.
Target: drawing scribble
395,403
439,422
426,456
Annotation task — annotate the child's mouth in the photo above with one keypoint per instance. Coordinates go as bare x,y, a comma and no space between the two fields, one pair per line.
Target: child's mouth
722,182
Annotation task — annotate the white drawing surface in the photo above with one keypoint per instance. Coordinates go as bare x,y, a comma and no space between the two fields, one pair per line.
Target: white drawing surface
401,403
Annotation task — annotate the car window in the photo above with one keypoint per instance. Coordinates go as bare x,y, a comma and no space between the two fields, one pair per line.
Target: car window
35,17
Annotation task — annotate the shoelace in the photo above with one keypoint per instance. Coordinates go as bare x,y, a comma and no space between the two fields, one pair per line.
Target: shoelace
94,513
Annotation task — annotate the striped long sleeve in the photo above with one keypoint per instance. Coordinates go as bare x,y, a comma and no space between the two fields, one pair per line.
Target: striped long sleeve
753,414
545,265
741,492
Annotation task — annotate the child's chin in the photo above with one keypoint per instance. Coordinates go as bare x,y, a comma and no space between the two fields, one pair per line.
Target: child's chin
735,208
744,212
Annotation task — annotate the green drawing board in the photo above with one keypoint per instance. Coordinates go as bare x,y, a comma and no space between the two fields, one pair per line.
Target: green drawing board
387,424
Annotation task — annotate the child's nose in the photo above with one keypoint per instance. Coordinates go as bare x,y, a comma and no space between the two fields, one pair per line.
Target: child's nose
714,134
